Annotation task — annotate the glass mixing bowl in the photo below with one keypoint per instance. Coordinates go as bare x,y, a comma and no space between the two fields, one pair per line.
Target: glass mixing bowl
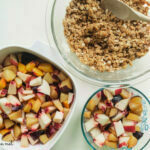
55,31
144,125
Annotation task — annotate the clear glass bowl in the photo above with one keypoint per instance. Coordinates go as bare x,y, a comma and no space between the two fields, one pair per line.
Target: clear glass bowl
144,125
55,31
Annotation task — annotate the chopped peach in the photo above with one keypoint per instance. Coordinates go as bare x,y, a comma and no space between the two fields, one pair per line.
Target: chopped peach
47,104
46,67
65,104
132,142
9,75
12,68
133,117
87,114
44,139
27,107
22,68
2,83
18,82
37,72
30,66
36,105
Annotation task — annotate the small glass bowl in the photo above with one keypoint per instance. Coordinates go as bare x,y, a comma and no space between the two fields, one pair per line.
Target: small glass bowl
144,125
55,31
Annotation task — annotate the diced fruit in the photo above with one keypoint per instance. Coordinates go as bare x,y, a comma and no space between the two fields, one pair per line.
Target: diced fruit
102,106
8,123
95,132
17,131
37,72
18,82
116,99
30,66
9,75
119,116
108,94
113,112
99,140
4,131
44,88
34,127
41,96
98,112
123,141
58,105
63,97
24,128
3,93
5,105
1,122
27,92
119,128
27,107
47,104
132,142
24,77
12,88
44,120
54,92
125,94
137,128
12,68
87,114
90,124
91,105
133,117
28,97
66,86
102,119
111,144
15,115
24,141
8,138
31,121
22,68
58,118
44,139
70,97
135,105
13,100
129,125
36,106
46,67
2,83
36,82
138,134
122,105
31,115
112,138
61,76
7,61
32,140
66,111
50,109
48,77
13,59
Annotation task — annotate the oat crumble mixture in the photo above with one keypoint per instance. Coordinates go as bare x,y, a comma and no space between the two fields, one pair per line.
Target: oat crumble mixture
101,40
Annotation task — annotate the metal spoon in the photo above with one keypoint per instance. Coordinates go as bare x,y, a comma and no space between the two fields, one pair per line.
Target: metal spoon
123,11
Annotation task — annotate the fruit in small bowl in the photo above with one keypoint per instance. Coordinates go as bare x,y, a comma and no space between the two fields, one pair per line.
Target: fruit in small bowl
36,100
116,119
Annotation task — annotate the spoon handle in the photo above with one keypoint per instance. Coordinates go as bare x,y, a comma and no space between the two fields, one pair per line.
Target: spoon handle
142,17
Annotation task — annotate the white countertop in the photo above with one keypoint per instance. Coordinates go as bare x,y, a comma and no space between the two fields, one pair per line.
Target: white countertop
22,22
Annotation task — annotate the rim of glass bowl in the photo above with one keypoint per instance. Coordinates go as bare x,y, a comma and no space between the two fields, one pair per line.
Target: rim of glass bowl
82,115
115,83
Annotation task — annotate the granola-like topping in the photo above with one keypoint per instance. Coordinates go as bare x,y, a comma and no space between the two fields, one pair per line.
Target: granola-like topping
101,40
